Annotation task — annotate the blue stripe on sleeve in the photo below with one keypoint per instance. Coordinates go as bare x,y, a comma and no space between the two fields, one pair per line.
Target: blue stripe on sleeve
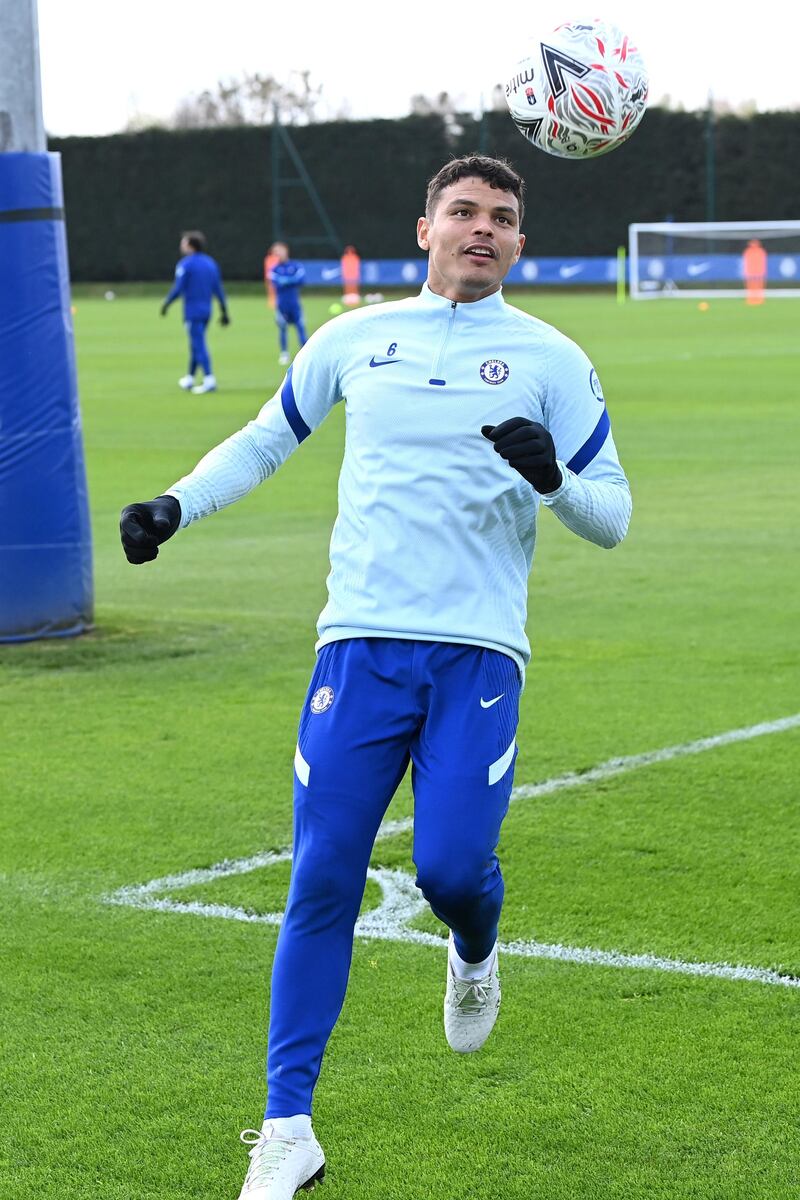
291,412
592,445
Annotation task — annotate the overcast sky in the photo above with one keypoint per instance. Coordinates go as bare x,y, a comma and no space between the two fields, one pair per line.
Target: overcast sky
105,61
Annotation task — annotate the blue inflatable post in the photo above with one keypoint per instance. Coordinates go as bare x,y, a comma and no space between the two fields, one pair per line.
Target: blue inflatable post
45,538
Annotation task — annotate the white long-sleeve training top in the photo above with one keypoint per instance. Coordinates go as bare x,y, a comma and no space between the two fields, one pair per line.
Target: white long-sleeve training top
435,533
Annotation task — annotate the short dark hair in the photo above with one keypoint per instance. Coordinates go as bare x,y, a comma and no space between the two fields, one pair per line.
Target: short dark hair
497,172
196,239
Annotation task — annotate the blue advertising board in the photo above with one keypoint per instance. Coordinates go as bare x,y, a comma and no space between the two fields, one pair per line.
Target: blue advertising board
564,272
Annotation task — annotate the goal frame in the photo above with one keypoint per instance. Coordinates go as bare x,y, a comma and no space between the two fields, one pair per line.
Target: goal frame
699,227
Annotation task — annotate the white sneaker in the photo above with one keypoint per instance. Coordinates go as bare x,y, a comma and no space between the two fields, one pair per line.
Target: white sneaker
186,382
283,358
470,1008
209,384
280,1167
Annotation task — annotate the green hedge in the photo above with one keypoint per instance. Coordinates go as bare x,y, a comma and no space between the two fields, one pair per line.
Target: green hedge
129,196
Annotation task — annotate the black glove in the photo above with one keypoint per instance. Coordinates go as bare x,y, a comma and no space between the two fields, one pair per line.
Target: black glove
143,527
224,318
528,448
163,309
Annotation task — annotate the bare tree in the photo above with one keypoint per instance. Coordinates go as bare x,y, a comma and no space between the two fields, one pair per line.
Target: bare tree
140,122
251,100
444,105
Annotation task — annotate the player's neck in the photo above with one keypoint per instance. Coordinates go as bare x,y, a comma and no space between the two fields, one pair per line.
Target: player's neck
460,295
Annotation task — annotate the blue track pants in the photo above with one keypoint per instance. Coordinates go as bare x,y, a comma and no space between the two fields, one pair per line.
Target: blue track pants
284,317
198,350
373,705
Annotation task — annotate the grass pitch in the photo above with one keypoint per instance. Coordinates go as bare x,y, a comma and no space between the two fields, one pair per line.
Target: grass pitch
134,1040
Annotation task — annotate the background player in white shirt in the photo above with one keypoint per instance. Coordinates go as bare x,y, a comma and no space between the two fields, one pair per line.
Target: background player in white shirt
462,414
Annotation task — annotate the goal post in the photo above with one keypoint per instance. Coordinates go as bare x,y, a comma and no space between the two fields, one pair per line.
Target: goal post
683,260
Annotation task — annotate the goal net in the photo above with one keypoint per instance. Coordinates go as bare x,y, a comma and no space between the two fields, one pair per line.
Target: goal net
738,259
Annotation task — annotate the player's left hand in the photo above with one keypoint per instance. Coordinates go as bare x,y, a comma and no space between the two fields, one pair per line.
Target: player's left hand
163,309
528,447
224,319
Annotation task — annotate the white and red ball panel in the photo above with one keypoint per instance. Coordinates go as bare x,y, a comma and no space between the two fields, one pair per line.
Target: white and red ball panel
581,91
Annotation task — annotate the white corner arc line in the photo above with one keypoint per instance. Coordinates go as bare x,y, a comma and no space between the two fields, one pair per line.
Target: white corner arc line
401,902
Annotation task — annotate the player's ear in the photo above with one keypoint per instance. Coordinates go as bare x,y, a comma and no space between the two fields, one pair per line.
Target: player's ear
520,246
423,225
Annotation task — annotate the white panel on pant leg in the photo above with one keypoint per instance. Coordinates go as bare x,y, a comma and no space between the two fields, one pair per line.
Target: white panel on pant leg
302,769
498,769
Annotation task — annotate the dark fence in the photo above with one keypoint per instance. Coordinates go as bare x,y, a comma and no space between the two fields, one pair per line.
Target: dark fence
129,196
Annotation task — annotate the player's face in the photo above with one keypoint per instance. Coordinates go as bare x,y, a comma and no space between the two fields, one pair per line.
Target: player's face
472,239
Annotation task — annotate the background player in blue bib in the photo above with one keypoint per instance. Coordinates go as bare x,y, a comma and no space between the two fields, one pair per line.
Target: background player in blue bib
464,415
287,277
197,280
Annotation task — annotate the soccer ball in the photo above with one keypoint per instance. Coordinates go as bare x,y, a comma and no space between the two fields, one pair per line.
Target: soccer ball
579,92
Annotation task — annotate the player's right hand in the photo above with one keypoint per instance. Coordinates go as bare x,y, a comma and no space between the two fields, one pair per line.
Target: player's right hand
224,318
163,309
143,527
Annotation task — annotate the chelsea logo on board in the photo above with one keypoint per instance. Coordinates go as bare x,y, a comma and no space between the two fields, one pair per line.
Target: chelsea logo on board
321,700
494,370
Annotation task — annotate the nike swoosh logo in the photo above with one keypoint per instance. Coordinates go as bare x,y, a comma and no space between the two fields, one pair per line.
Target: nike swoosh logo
489,703
568,272
330,272
383,362
697,268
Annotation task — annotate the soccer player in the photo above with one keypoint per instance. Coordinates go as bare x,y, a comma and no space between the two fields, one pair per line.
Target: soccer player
464,416
754,269
287,277
270,260
351,276
197,280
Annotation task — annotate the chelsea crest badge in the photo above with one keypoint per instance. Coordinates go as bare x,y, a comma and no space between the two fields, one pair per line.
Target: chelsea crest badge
494,370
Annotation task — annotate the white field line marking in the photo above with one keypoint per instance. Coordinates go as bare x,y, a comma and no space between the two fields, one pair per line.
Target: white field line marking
619,766
402,902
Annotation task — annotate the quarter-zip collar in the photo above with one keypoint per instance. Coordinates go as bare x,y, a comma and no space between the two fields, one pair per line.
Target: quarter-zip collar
485,307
